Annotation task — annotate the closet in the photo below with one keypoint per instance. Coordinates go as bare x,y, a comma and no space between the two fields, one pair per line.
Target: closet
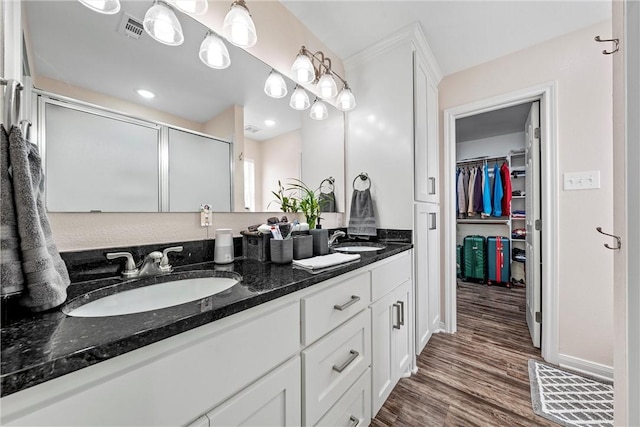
487,144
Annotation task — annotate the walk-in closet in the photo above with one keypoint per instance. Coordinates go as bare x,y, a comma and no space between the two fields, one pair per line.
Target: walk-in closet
497,198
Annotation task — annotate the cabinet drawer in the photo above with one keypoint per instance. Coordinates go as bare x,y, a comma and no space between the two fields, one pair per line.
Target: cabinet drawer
391,274
324,310
347,349
354,407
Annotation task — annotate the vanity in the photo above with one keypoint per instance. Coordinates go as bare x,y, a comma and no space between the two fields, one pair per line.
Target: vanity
282,347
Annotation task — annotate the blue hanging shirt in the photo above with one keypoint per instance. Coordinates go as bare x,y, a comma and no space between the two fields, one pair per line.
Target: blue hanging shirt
486,191
497,191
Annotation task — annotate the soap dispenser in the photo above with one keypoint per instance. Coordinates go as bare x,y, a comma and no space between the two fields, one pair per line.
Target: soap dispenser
223,251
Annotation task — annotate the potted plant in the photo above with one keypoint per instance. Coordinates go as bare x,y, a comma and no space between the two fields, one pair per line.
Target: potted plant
287,202
308,201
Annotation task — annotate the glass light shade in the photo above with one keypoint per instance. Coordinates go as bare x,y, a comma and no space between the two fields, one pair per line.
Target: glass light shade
238,27
108,7
302,70
213,52
299,99
318,110
275,86
345,101
193,7
327,86
162,24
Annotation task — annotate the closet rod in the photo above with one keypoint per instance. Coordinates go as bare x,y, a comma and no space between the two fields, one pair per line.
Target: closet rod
481,159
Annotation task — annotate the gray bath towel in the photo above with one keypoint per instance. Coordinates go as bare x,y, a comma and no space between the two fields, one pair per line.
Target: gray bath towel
45,273
362,219
11,277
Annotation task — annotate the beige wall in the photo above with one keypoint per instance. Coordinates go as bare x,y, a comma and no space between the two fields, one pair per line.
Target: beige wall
584,82
253,151
280,161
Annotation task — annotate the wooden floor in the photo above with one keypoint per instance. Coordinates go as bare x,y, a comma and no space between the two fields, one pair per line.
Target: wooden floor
477,377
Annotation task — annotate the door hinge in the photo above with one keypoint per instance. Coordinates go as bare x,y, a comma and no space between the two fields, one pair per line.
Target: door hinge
538,224
538,317
536,133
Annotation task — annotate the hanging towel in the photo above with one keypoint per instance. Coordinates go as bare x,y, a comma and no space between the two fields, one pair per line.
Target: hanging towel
11,277
477,192
497,192
45,273
505,175
486,191
327,202
324,261
362,219
472,184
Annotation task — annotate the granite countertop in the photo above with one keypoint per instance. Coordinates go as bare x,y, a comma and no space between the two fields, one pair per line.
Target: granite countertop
39,347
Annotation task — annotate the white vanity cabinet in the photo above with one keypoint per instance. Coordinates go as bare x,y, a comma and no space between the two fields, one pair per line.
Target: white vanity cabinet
391,319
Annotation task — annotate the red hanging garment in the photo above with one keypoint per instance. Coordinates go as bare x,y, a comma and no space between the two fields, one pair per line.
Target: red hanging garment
505,174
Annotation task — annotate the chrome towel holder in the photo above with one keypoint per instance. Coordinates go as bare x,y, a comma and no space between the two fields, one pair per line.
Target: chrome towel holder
616,44
364,177
11,102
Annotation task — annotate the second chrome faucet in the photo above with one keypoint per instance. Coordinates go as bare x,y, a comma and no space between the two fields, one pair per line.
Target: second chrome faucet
154,263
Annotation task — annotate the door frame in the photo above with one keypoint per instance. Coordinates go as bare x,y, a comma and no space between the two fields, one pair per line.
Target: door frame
546,93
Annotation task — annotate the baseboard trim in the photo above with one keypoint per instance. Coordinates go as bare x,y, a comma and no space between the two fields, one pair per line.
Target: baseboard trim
594,369
443,327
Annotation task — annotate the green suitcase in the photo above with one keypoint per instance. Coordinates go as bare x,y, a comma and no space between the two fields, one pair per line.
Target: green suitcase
475,258
459,262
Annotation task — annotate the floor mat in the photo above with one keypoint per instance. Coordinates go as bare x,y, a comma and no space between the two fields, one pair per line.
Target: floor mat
569,399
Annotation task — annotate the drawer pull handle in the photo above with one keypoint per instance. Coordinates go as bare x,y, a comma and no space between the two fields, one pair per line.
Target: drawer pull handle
401,312
354,299
353,421
432,180
398,321
354,355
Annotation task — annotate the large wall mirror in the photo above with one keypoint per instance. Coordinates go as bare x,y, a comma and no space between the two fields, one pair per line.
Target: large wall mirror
88,66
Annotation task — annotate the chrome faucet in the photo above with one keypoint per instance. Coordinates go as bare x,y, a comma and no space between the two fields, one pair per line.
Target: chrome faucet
337,234
154,263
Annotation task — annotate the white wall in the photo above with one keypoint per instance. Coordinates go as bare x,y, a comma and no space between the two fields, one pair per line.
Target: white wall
494,146
380,133
253,151
584,81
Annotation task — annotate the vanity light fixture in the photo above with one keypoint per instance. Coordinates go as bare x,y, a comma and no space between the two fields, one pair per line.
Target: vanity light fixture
316,68
299,99
238,26
162,24
318,110
275,86
213,52
145,93
193,7
108,7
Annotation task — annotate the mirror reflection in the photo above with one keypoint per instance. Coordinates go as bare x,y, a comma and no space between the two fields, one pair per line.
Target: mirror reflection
104,60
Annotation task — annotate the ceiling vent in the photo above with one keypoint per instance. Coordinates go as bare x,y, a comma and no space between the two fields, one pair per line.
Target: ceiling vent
252,129
130,27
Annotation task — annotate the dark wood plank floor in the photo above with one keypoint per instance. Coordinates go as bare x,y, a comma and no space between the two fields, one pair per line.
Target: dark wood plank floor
477,377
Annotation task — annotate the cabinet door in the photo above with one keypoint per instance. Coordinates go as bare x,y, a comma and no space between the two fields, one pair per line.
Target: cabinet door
271,401
383,317
427,273
401,335
425,120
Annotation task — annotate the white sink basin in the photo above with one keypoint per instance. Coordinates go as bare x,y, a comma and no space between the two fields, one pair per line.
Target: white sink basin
358,248
154,297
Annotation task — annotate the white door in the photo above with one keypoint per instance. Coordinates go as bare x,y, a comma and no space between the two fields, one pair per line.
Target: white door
383,319
532,207
402,337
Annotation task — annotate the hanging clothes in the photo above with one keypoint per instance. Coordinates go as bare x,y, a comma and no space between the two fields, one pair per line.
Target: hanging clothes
472,185
486,191
457,191
462,194
505,174
477,192
497,192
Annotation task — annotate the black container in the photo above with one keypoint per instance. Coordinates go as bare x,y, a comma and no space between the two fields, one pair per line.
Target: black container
256,246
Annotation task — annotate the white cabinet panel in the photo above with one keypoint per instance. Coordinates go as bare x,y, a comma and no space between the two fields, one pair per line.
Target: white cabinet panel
271,401
390,274
427,273
324,310
354,407
332,365
402,339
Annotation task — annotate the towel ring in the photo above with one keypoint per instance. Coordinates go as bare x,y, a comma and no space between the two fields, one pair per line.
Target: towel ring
363,176
331,182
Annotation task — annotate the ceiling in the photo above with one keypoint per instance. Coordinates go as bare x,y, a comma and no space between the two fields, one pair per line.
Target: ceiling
493,123
461,34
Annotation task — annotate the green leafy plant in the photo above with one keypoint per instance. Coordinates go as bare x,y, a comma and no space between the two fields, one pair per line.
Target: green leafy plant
287,202
308,202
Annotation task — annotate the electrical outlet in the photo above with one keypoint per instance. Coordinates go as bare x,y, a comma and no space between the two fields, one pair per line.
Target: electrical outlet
206,215
582,180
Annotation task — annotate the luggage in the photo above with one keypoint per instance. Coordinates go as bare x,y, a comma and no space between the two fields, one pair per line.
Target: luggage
475,257
459,264
498,261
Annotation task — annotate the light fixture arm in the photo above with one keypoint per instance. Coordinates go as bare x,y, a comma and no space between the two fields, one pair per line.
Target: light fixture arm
241,3
321,60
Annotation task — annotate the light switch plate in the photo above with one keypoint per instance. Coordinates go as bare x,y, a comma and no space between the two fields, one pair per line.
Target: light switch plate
582,180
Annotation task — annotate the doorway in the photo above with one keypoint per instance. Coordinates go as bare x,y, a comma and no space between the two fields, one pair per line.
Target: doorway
546,95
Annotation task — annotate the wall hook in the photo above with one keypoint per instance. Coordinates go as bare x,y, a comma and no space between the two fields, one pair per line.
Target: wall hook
606,245
616,44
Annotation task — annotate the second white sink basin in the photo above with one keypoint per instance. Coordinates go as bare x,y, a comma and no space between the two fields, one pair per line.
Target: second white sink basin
360,248
154,297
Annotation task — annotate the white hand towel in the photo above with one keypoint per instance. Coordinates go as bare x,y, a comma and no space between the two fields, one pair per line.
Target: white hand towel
325,261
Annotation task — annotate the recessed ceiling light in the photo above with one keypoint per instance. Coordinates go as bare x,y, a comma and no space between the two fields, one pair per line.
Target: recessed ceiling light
269,122
145,93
